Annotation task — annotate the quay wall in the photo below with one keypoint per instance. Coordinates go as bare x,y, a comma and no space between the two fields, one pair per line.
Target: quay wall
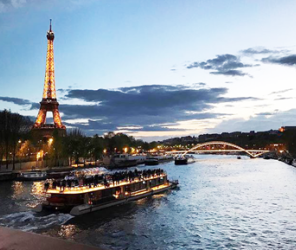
7,177
27,165
11,239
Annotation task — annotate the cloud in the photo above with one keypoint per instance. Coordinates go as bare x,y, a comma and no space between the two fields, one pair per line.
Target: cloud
283,98
17,101
285,60
198,85
260,50
265,113
280,91
150,107
93,126
160,128
232,72
6,4
226,64
259,122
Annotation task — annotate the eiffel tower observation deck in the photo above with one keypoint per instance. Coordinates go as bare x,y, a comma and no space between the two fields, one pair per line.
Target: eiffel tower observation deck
49,101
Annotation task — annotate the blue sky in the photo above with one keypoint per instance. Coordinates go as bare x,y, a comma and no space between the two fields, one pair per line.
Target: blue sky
154,69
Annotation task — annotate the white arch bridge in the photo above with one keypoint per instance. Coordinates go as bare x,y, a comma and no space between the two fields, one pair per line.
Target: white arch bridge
253,153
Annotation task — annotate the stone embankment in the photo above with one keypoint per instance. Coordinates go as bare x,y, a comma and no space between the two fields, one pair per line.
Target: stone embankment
7,176
11,239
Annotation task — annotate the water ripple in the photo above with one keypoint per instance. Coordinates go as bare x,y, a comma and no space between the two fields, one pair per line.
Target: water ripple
222,203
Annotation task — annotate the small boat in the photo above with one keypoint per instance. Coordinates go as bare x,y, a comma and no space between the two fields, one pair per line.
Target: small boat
289,161
238,157
150,161
184,160
94,193
32,176
181,160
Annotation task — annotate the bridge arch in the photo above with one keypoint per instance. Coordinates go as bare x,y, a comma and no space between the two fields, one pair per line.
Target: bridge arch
251,154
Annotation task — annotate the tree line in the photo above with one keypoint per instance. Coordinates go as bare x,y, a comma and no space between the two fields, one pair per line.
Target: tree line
13,128
18,143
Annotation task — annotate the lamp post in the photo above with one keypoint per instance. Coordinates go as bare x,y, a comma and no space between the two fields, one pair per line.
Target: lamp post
37,158
20,156
50,141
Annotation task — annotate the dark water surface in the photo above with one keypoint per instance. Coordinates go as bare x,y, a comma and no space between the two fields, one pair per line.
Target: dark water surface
222,203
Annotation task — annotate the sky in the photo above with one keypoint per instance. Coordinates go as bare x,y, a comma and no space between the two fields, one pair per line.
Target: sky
153,69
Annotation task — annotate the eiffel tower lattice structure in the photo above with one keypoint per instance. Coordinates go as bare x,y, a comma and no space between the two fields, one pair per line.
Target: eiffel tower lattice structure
49,99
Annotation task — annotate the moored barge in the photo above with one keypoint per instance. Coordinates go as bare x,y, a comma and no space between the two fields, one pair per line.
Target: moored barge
32,176
93,193
156,159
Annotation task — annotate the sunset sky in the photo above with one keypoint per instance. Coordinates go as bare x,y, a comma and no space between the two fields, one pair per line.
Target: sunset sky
154,69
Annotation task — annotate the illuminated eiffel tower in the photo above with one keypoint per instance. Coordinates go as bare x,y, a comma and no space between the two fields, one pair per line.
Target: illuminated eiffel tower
49,99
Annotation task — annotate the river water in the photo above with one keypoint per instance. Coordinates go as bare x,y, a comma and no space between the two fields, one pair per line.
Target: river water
222,203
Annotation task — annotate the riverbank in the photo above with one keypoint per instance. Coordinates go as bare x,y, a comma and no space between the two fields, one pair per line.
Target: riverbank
17,240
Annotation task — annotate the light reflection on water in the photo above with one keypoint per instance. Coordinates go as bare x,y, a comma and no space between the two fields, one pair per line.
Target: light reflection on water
67,231
222,203
18,189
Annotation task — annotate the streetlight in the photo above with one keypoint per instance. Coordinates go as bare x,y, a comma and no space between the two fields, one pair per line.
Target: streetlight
20,156
37,158
50,141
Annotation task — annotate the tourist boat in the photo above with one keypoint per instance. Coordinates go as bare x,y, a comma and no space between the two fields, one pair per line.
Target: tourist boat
32,176
93,193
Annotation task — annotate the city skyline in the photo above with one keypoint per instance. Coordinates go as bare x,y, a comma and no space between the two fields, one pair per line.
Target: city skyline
153,70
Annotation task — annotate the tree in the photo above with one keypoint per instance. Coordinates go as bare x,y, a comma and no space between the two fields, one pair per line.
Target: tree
13,127
73,144
96,147
153,144
290,140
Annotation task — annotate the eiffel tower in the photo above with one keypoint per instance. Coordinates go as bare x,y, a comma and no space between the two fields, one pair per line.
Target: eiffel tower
49,99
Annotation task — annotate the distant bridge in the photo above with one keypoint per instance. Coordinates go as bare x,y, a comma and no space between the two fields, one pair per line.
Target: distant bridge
253,153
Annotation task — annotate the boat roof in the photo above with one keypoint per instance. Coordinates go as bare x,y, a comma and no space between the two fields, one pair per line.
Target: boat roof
85,189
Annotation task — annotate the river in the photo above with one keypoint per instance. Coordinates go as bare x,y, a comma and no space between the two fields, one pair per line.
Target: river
222,203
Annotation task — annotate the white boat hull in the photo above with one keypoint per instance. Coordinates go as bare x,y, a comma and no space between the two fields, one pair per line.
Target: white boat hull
85,208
